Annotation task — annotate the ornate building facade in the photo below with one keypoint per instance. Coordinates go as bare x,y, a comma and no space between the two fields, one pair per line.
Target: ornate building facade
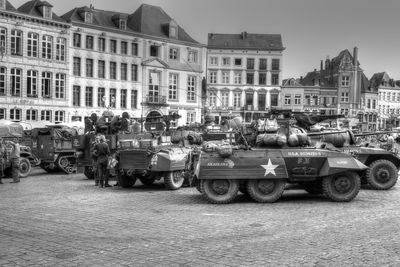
34,66
244,74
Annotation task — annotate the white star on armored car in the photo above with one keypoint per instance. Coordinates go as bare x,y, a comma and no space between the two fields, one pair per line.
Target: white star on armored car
269,168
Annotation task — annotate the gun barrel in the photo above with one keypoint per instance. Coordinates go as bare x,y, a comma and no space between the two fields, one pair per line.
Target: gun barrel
374,133
326,133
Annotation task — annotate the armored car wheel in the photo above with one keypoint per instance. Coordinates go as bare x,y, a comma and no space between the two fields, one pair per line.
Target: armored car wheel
314,188
174,180
25,167
266,190
382,174
220,191
126,181
341,187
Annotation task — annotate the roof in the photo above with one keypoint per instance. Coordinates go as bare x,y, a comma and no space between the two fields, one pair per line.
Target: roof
147,19
365,85
245,40
32,8
10,7
315,76
291,82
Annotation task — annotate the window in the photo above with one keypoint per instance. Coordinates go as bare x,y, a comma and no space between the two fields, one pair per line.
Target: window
213,99
191,89
172,32
288,99
173,53
16,77
31,114
393,97
113,97
60,49
31,83
46,12
262,78
173,87
113,70
225,99
113,46
88,17
3,38
101,72
77,66
123,98
89,42
374,104
250,63
274,100
225,77
76,96
134,72
59,116
124,72
89,67
124,48
368,103
76,39
89,97
344,111
398,97
33,42
213,61
134,49
102,44
297,99
173,121
47,45
345,97
388,96
60,86
238,62
192,56
16,42
249,98
345,80
275,64
15,114
249,78
191,117
238,78
3,73
261,100
134,97
2,113
154,51
3,4
101,97
237,99
263,64
274,79
213,77
45,115
226,61
46,84
122,24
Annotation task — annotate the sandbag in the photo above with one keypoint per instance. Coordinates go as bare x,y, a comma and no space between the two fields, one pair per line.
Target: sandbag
337,140
293,140
260,126
224,150
304,139
235,123
271,126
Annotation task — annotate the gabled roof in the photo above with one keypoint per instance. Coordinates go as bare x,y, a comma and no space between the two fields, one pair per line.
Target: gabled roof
291,82
10,7
378,78
315,76
152,20
147,19
365,85
245,41
32,8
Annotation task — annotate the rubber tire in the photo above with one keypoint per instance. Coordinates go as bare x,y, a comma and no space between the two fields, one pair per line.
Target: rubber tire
147,180
89,173
126,181
212,197
257,195
333,194
374,166
48,170
243,188
314,188
27,167
169,181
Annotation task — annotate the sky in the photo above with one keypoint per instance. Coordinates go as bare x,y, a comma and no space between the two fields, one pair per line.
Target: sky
311,29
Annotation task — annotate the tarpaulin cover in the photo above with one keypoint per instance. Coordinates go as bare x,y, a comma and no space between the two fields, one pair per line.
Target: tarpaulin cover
12,130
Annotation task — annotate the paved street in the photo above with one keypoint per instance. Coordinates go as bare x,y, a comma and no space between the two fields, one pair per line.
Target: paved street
60,220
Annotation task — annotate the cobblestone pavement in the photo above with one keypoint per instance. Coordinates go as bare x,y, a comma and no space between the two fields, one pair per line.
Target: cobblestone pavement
60,220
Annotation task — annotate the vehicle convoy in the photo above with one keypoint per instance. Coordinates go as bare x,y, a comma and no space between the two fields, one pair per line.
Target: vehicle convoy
383,164
15,132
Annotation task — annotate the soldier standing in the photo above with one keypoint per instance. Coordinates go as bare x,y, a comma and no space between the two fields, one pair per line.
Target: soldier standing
2,160
95,155
15,155
103,152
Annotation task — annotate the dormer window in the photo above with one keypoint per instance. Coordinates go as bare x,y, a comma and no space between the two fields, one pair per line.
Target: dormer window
122,24
88,17
47,12
173,29
2,4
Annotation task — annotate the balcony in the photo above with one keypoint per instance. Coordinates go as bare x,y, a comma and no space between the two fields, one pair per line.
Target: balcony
156,100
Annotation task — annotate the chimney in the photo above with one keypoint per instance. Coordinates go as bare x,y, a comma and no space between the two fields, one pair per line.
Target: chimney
244,35
355,56
322,66
211,36
327,63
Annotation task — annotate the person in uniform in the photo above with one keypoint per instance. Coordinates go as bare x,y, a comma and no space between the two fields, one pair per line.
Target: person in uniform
2,160
15,156
103,151
94,154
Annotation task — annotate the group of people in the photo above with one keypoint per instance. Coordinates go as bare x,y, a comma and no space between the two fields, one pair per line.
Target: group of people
100,153
13,157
